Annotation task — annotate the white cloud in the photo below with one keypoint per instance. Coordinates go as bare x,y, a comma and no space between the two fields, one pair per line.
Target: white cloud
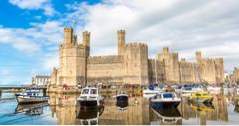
44,5
184,26
50,61
32,39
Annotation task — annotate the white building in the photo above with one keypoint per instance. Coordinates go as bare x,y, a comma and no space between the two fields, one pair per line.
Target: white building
40,80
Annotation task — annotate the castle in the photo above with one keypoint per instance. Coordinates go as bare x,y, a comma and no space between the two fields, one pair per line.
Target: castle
130,66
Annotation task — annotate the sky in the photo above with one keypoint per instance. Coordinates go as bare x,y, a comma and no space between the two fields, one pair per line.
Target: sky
31,30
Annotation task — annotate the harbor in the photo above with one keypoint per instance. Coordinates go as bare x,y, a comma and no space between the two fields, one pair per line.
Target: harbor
64,109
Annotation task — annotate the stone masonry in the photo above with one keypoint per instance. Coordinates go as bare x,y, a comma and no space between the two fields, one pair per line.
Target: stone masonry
131,66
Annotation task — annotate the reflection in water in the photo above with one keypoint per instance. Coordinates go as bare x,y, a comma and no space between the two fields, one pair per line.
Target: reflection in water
166,116
236,103
134,114
89,115
203,112
64,107
122,102
31,109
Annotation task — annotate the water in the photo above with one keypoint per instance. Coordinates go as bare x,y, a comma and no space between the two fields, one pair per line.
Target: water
62,109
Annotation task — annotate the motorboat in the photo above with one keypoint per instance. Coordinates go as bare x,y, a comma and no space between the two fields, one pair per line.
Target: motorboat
151,91
187,90
89,115
31,96
90,97
122,100
201,97
165,100
170,116
214,89
177,88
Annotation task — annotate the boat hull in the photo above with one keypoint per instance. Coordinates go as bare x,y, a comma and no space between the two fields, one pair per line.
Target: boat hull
88,103
168,104
202,100
122,98
27,100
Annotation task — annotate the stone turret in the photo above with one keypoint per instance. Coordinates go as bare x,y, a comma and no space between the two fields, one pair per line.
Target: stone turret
72,69
198,55
165,50
86,42
121,41
86,38
68,37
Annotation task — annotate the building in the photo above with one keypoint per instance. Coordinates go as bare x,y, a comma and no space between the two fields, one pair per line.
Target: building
130,66
40,80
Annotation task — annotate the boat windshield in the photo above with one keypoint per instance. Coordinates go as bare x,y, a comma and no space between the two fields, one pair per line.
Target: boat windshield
93,91
85,91
168,95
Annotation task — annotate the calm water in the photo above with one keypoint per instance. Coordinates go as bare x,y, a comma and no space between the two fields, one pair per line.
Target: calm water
62,109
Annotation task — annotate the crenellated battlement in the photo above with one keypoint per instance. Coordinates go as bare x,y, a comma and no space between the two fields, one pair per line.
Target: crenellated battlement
105,59
136,45
132,65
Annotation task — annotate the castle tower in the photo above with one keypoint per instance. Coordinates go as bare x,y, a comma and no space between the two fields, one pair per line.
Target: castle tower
72,61
68,36
121,41
136,64
198,55
171,62
86,42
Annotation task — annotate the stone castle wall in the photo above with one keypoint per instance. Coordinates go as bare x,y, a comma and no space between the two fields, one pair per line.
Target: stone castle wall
156,71
171,65
105,69
211,70
131,66
188,72
136,64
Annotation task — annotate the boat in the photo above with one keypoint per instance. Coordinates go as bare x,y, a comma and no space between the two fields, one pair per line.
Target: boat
170,116
89,115
214,89
187,90
201,97
31,96
122,100
90,97
165,100
151,91
202,107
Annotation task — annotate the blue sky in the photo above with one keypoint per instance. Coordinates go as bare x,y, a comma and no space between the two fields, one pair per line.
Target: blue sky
31,30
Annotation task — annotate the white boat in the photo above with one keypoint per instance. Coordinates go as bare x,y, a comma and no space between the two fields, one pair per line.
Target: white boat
187,90
31,96
90,97
214,89
151,91
165,100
